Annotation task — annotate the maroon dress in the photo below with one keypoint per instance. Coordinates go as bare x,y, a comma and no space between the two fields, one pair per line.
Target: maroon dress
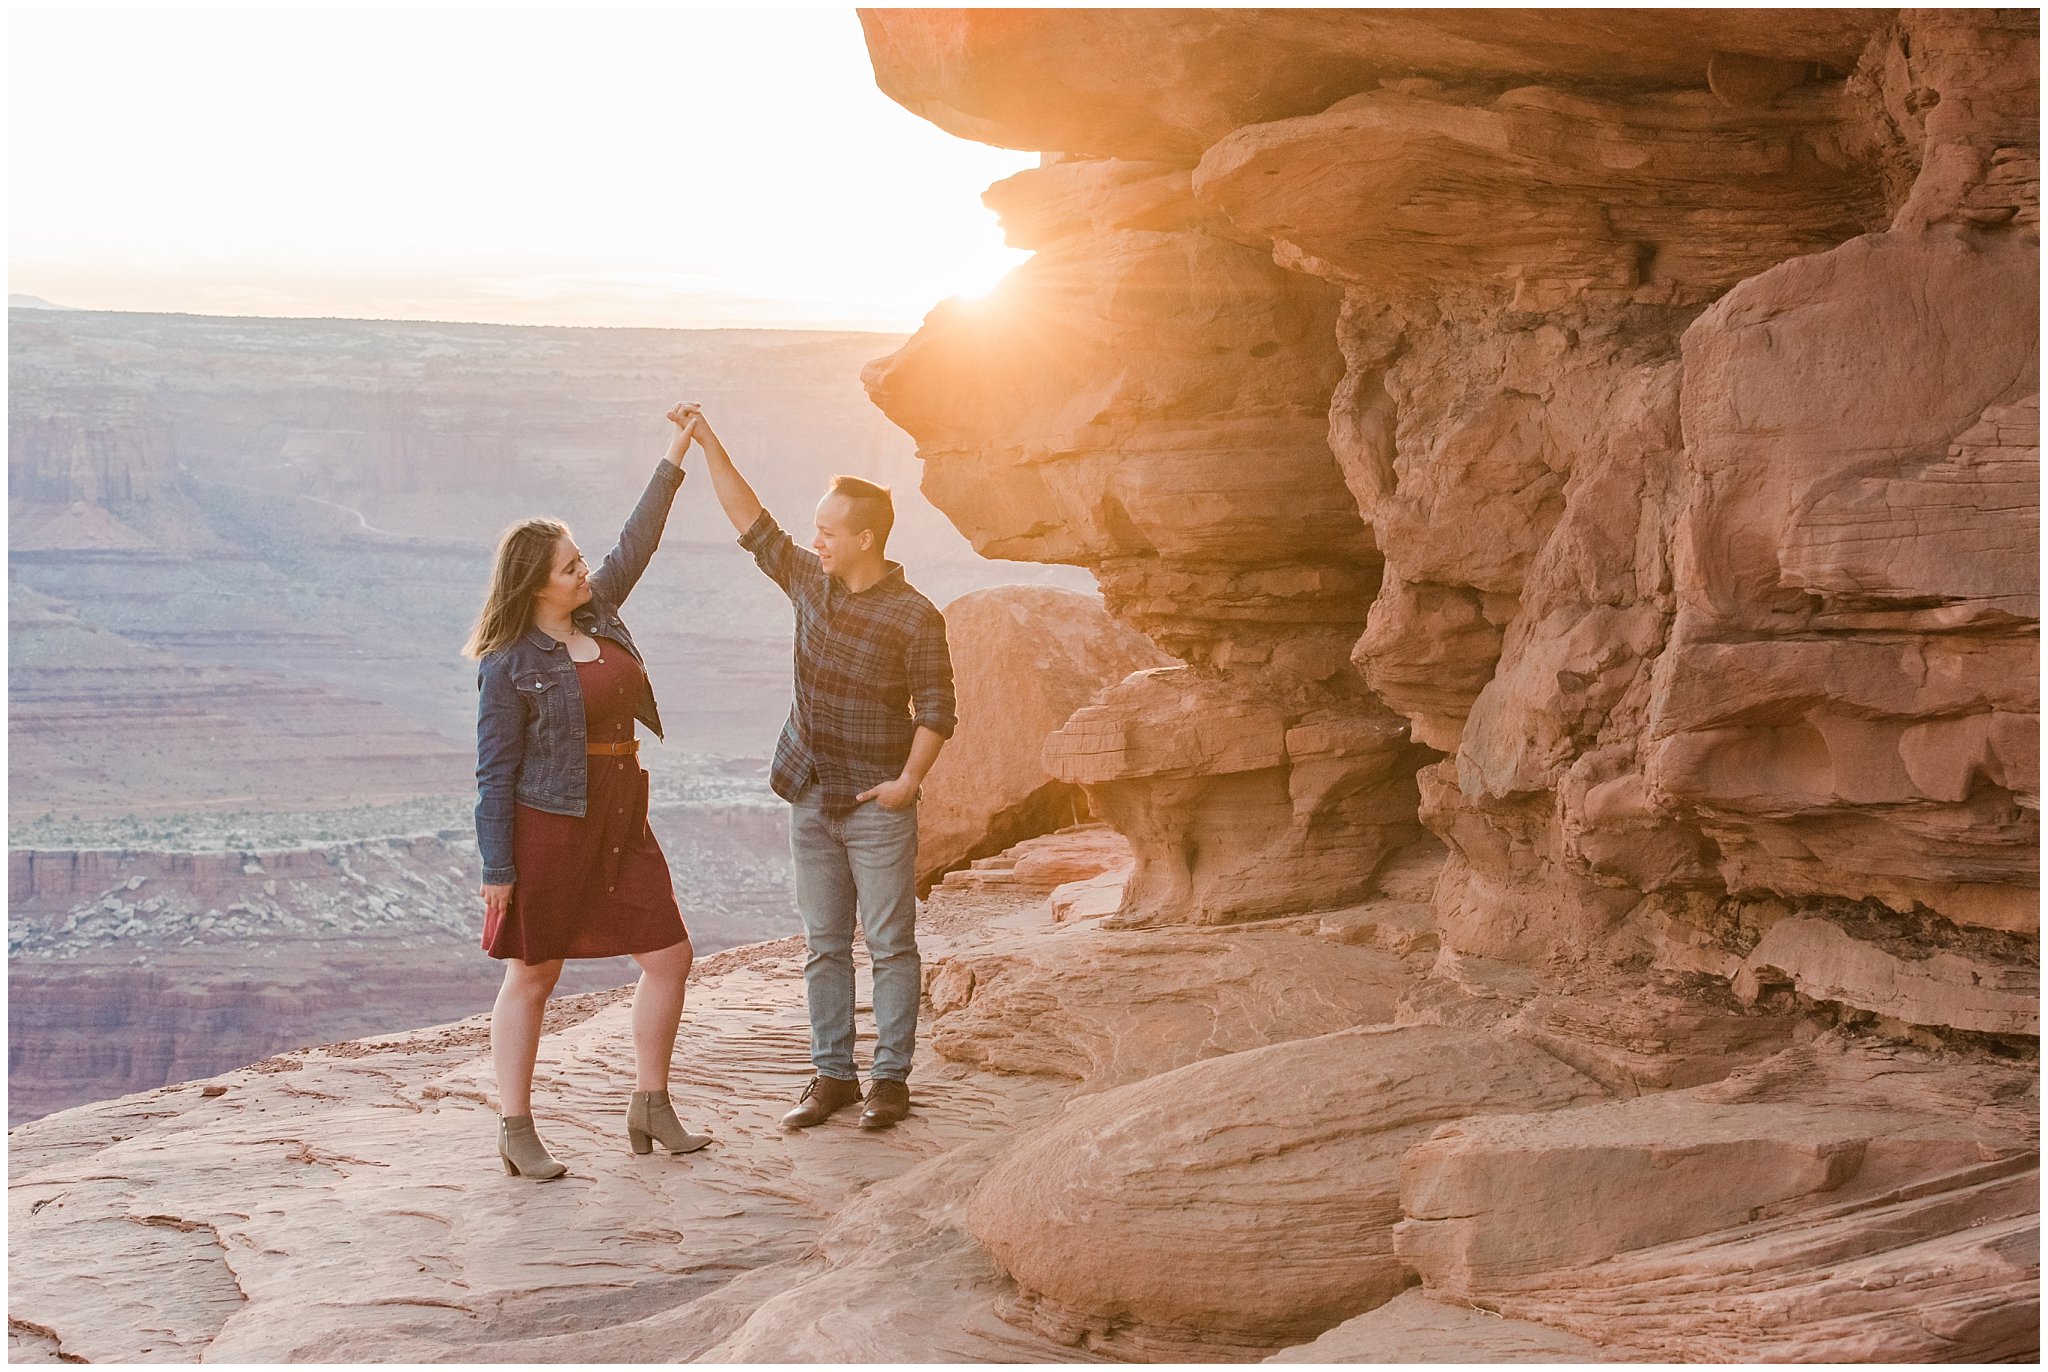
598,886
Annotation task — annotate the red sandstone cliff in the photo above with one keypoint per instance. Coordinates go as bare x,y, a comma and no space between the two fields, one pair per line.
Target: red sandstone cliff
1609,440
1661,460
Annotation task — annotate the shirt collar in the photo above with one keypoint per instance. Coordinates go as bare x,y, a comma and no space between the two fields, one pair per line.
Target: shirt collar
892,576
583,617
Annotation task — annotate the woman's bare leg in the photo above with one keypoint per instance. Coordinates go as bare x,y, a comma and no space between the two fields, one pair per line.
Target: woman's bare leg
515,1031
657,1010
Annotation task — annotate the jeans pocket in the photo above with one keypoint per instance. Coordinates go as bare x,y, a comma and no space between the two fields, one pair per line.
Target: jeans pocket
881,816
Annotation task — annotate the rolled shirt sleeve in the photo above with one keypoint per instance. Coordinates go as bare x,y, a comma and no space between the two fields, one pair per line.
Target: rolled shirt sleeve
792,568
928,665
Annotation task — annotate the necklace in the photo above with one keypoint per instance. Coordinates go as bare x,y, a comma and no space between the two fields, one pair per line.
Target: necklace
566,642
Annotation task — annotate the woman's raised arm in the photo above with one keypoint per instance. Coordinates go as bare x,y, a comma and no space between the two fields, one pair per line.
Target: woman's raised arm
622,567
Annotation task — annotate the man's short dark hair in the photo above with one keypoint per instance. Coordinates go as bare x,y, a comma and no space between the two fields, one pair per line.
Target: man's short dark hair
872,506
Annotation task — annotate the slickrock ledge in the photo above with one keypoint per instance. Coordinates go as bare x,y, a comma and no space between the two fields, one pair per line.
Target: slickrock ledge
346,1203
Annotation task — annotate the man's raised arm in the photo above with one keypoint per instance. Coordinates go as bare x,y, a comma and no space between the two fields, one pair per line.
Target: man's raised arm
735,496
792,568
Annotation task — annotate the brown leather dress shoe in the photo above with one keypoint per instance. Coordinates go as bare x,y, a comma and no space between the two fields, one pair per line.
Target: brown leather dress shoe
888,1101
820,1100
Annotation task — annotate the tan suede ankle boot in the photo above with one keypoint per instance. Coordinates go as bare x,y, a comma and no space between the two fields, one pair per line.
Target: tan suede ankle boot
651,1117
522,1152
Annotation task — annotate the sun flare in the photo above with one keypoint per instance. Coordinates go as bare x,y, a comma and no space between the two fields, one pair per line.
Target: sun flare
766,181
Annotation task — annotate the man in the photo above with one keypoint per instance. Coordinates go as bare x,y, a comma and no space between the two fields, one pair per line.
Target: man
873,706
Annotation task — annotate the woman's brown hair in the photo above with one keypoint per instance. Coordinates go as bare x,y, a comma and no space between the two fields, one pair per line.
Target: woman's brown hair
526,558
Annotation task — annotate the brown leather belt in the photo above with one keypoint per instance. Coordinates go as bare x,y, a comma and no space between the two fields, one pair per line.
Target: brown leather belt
626,749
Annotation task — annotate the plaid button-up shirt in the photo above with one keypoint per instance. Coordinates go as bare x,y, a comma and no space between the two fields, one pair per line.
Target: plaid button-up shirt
871,666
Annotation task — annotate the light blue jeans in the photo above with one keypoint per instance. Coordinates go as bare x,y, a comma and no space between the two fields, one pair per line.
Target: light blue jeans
864,863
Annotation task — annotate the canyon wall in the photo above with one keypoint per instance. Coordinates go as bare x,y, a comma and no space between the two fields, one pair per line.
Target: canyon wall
1617,457
1606,446
210,519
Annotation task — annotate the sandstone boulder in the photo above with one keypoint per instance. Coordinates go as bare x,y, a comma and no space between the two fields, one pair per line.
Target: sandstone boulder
1412,1328
1947,1270
1024,659
1497,1202
1090,897
1098,1215
1834,1201
1105,1007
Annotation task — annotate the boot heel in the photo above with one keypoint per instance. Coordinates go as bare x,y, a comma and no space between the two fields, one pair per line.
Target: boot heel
642,1141
516,1137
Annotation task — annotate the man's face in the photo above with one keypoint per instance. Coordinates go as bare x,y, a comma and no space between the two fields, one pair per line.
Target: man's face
837,542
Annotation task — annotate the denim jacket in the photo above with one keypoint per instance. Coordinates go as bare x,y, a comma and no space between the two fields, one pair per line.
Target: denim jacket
529,720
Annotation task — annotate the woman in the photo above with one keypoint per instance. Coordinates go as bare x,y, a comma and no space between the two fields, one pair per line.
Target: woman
571,869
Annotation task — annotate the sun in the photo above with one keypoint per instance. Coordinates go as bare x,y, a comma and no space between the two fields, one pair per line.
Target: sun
980,270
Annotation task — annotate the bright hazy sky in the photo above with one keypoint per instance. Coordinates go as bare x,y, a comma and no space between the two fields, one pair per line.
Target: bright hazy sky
681,168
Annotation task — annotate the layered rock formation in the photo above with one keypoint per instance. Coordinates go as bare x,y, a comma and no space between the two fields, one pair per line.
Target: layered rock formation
1147,397
1661,460
1024,659
1667,547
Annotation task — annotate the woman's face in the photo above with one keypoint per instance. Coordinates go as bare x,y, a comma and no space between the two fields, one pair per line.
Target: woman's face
568,583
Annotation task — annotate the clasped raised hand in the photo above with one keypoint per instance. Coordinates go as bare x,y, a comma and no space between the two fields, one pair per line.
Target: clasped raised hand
687,418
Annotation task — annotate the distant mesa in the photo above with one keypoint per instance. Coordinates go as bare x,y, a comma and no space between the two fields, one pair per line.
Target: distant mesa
34,302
